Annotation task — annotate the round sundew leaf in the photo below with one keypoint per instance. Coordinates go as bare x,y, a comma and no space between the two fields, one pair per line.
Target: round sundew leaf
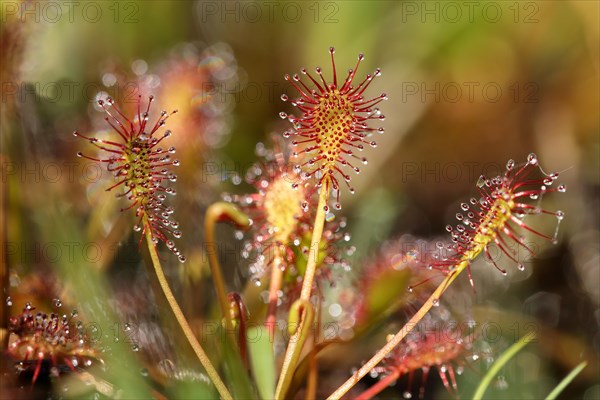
334,124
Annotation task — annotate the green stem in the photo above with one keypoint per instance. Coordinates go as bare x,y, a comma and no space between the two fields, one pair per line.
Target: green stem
395,341
313,255
216,212
296,342
187,331
313,363
500,362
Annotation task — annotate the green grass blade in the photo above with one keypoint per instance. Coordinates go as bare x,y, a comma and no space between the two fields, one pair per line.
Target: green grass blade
262,361
237,377
502,360
563,384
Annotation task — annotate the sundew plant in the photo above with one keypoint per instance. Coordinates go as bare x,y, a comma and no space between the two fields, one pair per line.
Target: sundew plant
246,200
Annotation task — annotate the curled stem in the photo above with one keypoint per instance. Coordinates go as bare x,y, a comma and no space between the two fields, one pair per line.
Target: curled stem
239,312
218,212
301,316
181,320
296,342
398,337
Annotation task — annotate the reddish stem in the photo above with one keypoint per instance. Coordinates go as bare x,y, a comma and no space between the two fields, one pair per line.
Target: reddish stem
379,386
274,286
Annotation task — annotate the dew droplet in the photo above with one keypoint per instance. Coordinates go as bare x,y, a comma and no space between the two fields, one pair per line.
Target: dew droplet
54,372
407,395
135,347
9,301
562,188
181,258
501,383
435,302
510,165
481,181
532,159
521,267
559,215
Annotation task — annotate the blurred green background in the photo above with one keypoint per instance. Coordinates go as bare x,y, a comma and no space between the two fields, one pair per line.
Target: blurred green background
470,85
